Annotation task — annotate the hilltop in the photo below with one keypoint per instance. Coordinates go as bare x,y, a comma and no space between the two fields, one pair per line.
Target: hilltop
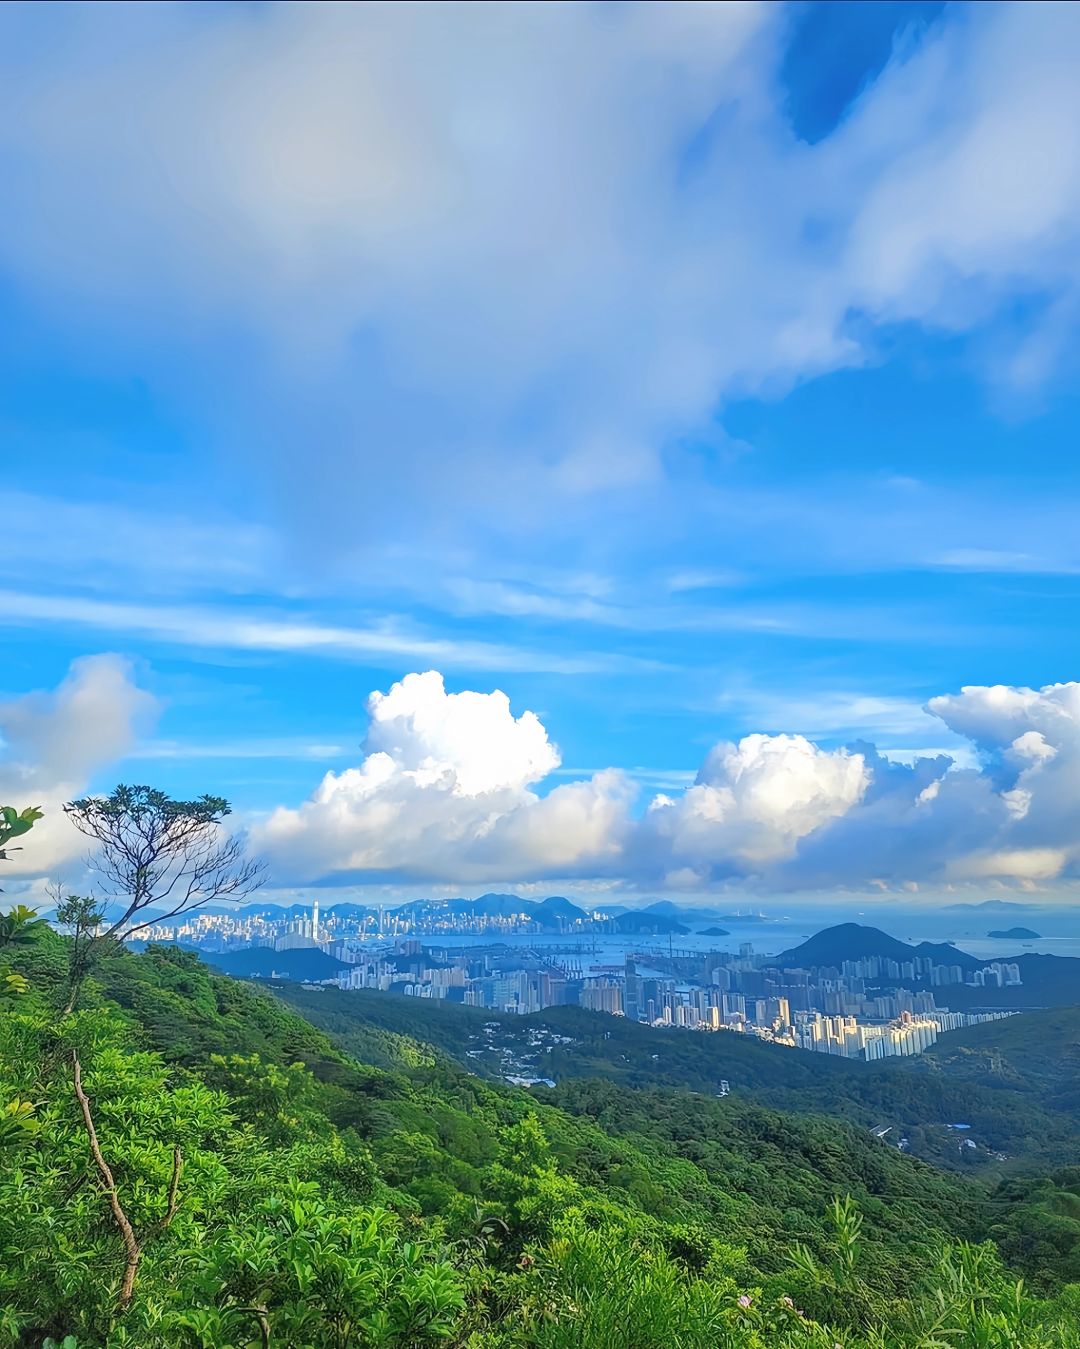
261,962
853,941
646,922
1046,981
989,906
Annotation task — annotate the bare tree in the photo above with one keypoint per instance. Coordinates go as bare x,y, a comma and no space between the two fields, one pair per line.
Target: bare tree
160,858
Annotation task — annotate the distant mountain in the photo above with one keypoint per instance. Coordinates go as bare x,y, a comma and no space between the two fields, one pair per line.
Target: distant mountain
556,907
1046,981
280,912
272,912
113,911
853,941
1015,934
501,906
260,962
640,920
352,911
989,906
663,906
417,909
714,932
667,909
549,914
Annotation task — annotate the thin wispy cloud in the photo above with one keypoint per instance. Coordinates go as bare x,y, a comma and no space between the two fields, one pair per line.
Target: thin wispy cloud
1002,561
237,631
236,750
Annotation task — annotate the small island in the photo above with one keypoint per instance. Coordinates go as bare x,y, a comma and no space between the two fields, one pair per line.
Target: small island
1015,934
714,932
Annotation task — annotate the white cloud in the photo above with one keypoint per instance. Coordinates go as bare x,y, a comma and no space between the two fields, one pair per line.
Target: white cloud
234,629
423,220
999,560
830,713
1020,864
751,804
1014,817
472,738
1000,716
984,186
52,743
451,791
444,792
51,539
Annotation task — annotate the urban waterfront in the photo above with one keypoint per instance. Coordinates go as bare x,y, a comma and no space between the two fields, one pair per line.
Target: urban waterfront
730,978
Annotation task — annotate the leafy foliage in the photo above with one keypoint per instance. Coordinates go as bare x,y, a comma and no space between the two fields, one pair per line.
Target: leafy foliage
14,823
284,1192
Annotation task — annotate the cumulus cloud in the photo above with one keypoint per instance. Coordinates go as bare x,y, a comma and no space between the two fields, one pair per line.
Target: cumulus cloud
471,739
1000,717
434,216
451,789
444,792
53,742
751,804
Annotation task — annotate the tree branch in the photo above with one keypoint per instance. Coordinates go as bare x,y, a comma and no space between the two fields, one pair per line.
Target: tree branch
173,1204
132,1248
161,858
261,1317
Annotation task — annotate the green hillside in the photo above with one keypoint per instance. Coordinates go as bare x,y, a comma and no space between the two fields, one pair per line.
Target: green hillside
1016,1082
1013,1129
283,1191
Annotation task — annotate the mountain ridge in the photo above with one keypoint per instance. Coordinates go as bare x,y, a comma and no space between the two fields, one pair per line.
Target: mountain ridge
856,941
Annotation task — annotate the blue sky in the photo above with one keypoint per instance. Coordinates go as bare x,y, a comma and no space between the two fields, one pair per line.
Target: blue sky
686,373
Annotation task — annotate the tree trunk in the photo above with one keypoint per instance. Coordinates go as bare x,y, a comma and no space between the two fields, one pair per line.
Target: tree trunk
132,1249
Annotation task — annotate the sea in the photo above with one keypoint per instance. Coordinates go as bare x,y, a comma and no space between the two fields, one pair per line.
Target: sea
769,933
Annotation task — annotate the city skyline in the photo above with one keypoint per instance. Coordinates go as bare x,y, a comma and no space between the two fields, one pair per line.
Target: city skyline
867,1008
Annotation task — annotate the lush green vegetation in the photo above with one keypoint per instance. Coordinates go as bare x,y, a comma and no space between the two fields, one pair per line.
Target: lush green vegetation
281,1192
1021,1101
189,1162
1034,1057
1014,1081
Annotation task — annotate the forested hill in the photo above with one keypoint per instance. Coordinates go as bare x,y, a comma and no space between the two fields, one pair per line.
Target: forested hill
1046,980
854,941
1035,1056
915,1098
283,1191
